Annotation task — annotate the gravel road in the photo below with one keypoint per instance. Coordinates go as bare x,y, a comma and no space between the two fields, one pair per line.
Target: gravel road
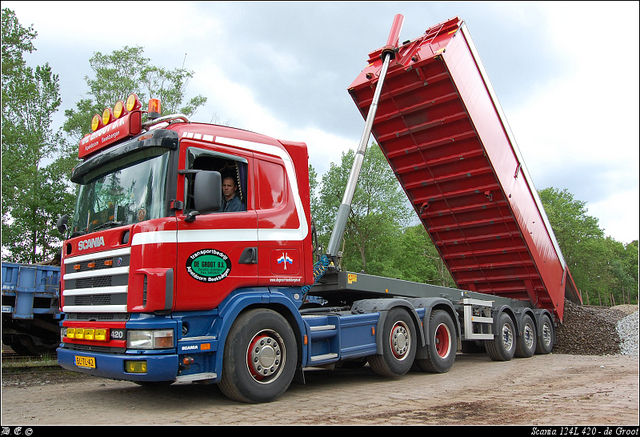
555,389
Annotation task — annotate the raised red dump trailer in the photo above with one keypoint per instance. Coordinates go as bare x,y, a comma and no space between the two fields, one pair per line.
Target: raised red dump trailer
443,132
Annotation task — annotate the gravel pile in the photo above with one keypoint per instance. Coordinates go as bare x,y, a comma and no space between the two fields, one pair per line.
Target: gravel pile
598,331
628,332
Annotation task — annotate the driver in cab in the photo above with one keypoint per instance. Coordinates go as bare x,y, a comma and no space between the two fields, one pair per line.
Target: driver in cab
230,200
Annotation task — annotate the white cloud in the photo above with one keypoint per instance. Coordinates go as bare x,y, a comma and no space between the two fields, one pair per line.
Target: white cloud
580,130
236,103
618,215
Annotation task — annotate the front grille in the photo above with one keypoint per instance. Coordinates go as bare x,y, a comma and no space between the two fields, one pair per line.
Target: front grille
98,317
90,348
97,299
97,283
101,281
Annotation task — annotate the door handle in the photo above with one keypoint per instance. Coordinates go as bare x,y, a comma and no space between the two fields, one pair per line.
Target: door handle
249,256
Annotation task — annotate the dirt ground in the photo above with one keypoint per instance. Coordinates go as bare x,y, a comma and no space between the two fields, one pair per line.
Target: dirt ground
554,389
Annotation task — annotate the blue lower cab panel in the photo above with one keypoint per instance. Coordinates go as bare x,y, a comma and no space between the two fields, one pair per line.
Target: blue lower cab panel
159,367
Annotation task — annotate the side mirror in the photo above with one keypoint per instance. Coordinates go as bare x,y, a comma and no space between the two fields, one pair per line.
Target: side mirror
61,225
207,191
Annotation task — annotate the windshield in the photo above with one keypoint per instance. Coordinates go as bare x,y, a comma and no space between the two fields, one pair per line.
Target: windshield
133,190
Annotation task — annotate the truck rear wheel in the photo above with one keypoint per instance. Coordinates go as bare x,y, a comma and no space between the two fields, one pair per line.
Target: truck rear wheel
526,343
399,342
545,336
441,350
503,345
260,357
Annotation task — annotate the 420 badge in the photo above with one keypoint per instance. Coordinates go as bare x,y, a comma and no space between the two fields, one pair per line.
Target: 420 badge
208,265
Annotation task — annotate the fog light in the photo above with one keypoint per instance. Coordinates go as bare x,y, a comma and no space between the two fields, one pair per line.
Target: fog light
89,334
135,366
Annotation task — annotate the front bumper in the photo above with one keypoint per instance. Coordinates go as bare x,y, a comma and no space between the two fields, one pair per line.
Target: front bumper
159,367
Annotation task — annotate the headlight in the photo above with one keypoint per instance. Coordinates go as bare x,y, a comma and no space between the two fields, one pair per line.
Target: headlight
150,339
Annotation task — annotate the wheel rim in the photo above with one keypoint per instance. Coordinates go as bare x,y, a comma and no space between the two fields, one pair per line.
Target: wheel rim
507,336
266,356
546,334
528,335
400,340
442,340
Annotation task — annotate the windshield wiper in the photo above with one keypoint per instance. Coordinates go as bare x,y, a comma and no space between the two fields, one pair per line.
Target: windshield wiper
110,224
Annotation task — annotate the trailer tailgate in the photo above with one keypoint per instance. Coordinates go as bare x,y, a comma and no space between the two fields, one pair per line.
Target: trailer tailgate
443,132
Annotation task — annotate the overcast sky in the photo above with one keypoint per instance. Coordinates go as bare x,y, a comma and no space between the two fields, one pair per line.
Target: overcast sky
566,74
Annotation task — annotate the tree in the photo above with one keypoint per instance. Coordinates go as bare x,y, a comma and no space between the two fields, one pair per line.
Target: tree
33,155
378,212
418,259
124,72
623,266
601,267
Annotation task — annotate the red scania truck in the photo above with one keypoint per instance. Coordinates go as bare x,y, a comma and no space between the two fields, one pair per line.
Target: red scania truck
159,284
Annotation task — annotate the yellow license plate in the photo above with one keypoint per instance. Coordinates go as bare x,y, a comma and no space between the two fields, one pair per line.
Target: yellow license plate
89,362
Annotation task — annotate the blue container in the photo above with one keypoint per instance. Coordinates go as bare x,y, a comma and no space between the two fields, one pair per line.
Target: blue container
30,283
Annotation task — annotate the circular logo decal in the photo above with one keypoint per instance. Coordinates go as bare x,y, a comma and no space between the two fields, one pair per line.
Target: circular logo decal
208,265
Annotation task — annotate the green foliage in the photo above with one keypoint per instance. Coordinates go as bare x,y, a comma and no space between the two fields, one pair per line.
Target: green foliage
377,212
127,71
604,270
419,260
36,160
34,157
378,239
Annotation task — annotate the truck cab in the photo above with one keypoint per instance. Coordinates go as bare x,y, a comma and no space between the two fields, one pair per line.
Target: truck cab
153,261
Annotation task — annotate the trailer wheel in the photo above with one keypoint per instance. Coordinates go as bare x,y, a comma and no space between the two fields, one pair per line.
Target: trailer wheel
260,357
545,336
399,342
526,343
503,346
441,350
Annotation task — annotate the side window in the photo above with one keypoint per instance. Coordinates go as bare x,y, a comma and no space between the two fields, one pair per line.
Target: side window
272,183
233,170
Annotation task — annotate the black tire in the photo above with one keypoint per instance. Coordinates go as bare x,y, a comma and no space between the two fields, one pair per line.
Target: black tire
503,345
260,357
399,343
544,344
526,343
442,347
17,346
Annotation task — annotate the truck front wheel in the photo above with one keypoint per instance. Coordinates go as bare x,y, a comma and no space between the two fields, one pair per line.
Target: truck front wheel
260,356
